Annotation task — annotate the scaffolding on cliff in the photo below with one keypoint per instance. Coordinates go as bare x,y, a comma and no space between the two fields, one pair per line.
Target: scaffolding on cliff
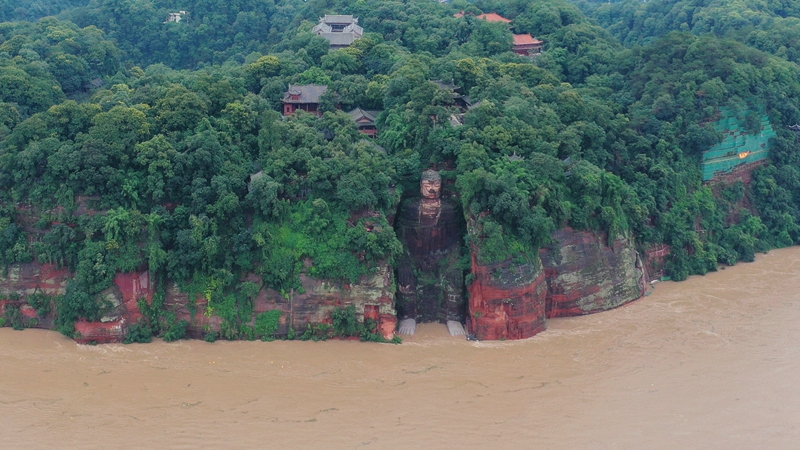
738,147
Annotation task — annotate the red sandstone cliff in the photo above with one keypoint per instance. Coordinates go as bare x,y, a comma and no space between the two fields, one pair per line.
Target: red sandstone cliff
579,274
585,275
373,297
507,300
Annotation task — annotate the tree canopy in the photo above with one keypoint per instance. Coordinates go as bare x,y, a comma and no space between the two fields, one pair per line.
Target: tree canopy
171,134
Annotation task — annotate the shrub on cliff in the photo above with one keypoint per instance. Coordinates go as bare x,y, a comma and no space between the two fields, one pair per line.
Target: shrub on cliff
345,322
14,316
139,332
176,331
41,302
267,324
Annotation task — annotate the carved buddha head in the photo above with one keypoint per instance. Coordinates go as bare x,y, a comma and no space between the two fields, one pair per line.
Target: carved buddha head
430,185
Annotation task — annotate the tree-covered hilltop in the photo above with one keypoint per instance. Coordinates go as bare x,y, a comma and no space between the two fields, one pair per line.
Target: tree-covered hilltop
770,26
128,141
32,10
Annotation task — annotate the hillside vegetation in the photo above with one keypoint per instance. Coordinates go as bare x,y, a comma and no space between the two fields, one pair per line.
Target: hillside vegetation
160,127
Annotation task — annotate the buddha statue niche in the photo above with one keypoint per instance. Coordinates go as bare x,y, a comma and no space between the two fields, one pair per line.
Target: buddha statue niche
430,282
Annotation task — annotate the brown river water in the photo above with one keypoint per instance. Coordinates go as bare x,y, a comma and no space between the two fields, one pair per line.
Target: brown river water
709,363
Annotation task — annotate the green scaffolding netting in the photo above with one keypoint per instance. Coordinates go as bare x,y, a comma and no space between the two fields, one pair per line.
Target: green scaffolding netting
737,147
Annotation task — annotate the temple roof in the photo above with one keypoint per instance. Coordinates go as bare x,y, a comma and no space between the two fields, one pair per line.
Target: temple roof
339,30
446,86
338,18
526,39
309,93
340,38
494,17
367,114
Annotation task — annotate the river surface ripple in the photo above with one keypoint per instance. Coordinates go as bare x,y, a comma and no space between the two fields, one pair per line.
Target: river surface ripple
709,363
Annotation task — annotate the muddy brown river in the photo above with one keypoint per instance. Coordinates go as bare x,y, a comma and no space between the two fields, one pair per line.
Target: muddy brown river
709,363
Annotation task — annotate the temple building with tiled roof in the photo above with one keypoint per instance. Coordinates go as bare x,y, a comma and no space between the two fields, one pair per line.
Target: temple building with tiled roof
365,120
339,30
491,17
303,96
494,17
527,45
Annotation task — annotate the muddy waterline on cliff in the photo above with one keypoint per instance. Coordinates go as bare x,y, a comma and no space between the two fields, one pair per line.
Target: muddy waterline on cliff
711,363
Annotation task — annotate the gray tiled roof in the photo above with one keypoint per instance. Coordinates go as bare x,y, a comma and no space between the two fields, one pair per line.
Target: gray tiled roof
338,18
309,93
321,28
369,114
353,28
340,38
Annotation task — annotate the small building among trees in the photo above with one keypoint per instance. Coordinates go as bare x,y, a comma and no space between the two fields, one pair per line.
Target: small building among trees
175,17
305,97
491,17
365,120
527,45
494,17
339,30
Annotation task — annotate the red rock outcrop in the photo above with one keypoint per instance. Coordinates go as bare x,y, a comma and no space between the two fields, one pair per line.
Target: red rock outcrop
26,279
373,297
100,332
506,300
372,292
578,275
134,286
655,261
585,275
124,296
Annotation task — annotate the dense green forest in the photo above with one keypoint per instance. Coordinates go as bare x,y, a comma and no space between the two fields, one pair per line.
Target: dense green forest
174,132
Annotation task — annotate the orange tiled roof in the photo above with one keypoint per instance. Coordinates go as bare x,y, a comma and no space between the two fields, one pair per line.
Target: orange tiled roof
526,39
494,17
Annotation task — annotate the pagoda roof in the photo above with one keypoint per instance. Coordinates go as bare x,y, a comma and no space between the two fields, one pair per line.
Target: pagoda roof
494,17
309,93
359,113
340,39
338,18
526,39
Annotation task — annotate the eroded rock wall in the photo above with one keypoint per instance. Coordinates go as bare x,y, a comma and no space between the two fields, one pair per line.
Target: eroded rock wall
579,274
507,300
586,275
373,297
23,280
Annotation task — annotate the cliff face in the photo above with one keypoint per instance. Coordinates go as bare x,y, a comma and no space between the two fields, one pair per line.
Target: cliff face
585,275
579,275
373,297
124,295
25,280
507,300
